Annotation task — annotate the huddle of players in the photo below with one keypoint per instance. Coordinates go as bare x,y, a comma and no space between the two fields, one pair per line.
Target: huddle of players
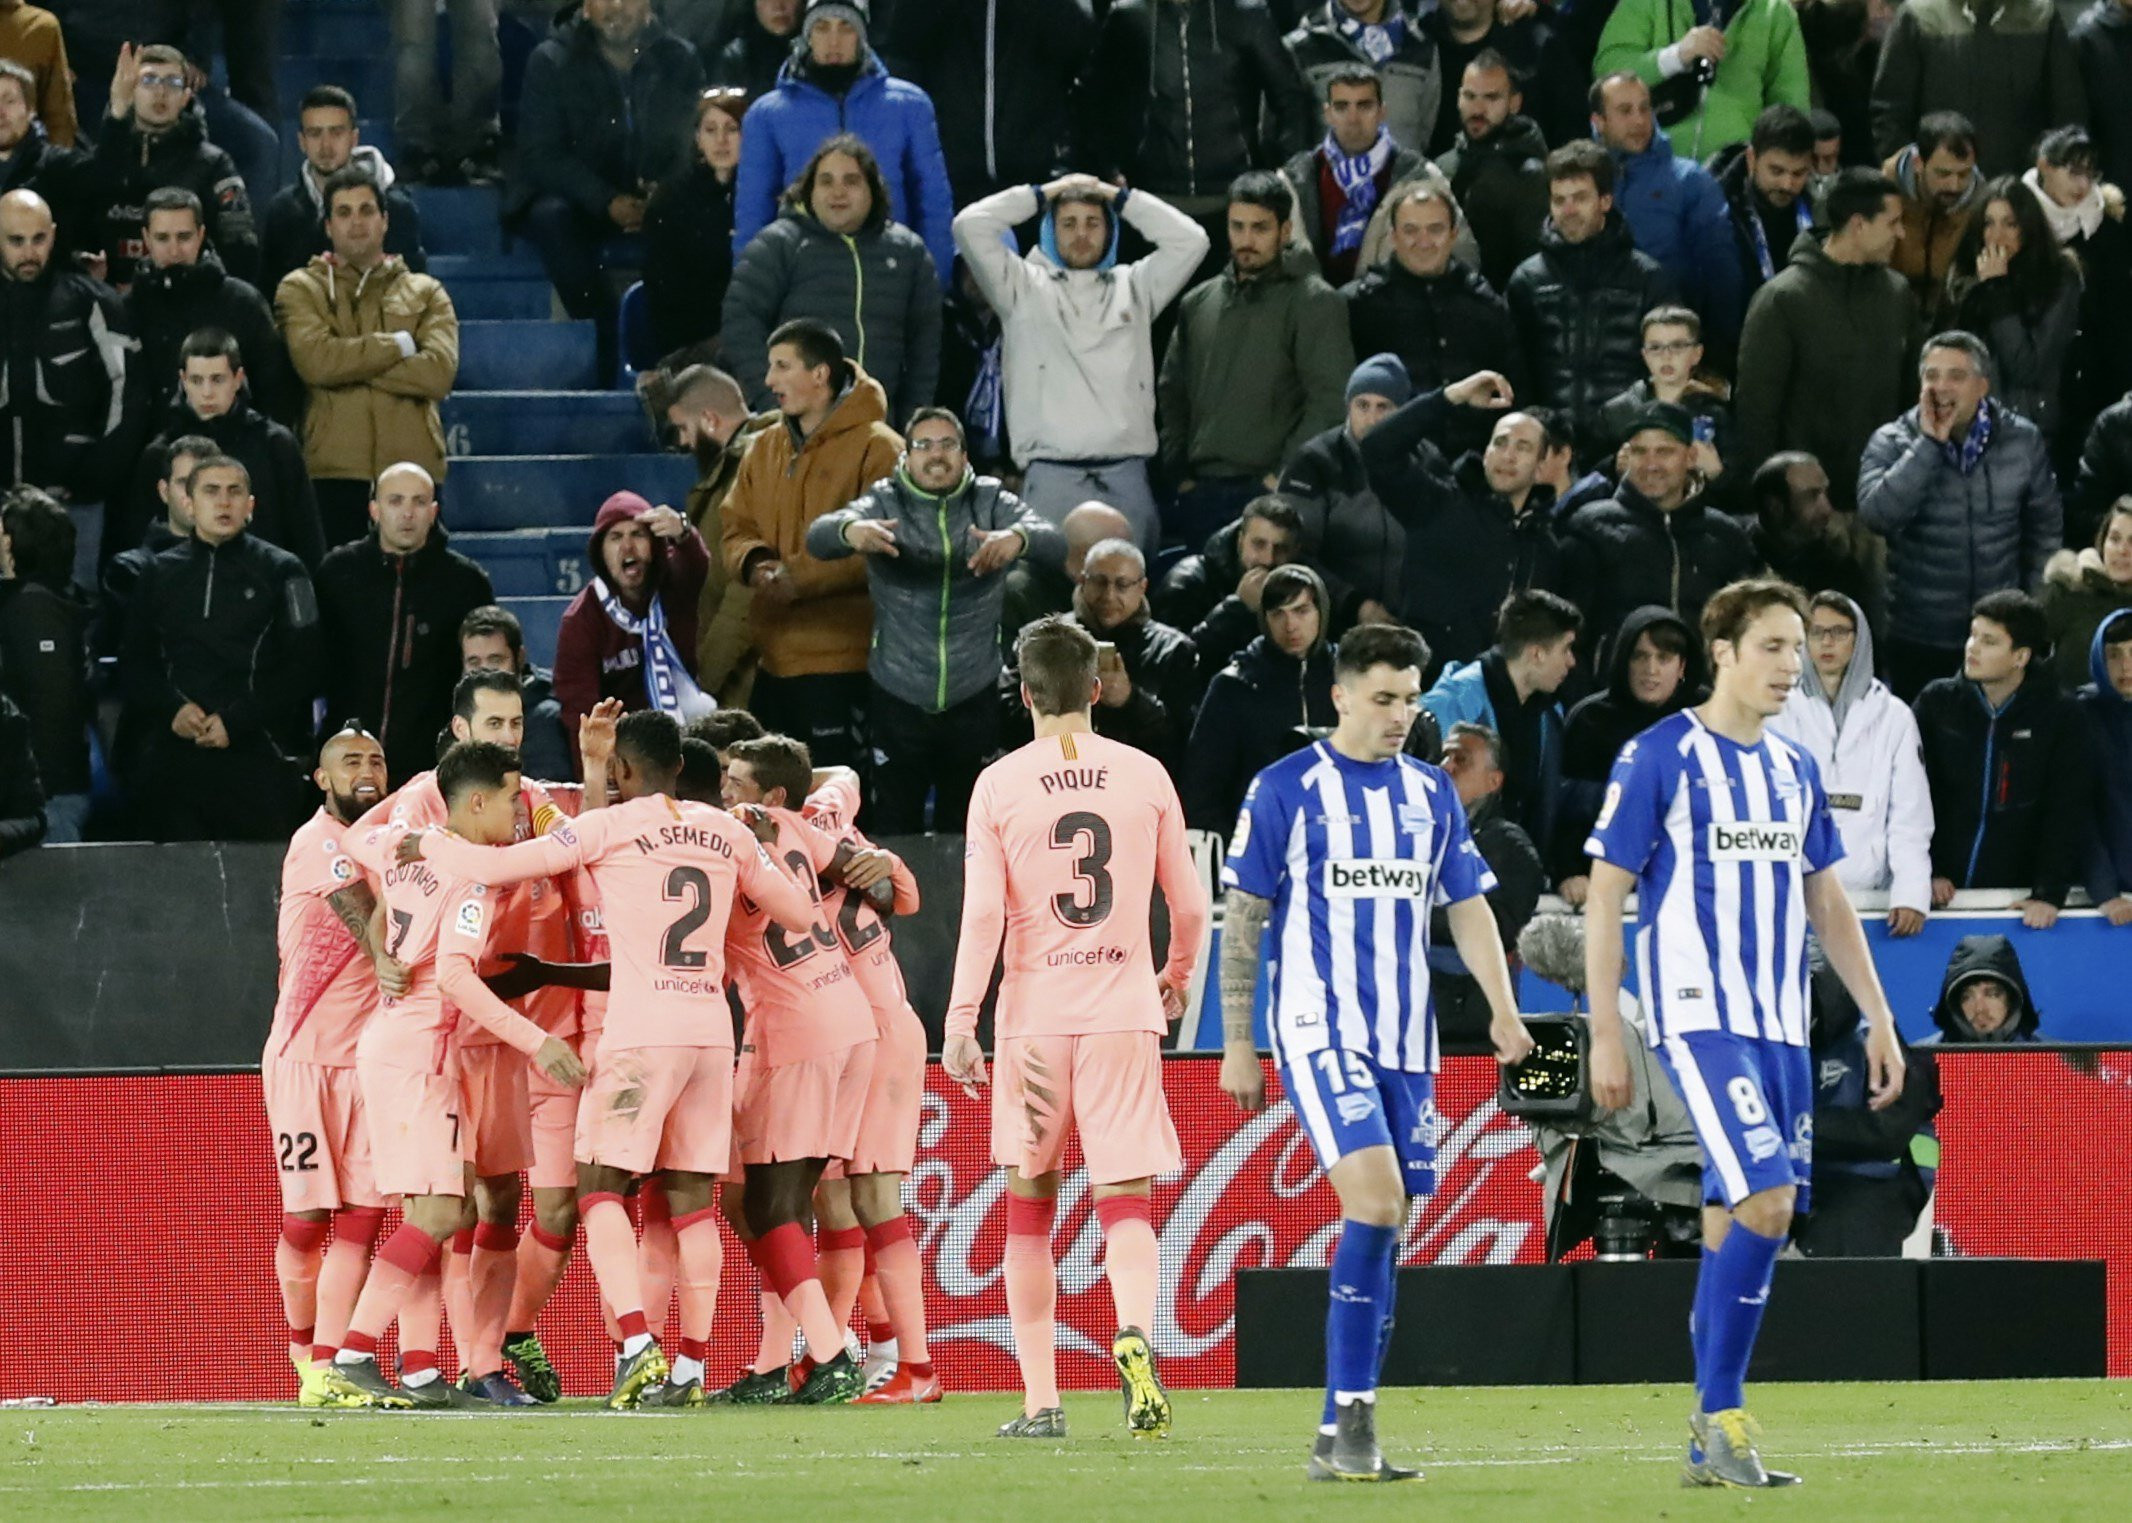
615,934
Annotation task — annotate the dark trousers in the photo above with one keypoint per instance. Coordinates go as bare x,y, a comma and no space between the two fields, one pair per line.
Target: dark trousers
343,510
1912,665
828,712
569,244
1856,1218
244,793
1214,502
919,752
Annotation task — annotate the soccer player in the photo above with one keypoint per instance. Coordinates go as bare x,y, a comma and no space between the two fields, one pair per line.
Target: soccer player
330,976
407,1060
1722,828
1345,847
670,877
1067,838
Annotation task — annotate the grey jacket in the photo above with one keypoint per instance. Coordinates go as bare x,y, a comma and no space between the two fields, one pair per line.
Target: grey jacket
936,622
1953,538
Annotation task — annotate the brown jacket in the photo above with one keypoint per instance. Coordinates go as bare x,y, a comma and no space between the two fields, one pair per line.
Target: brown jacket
31,37
786,484
725,653
369,406
1930,234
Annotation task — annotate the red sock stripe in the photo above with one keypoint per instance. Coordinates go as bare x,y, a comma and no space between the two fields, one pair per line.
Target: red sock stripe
322,1353
1027,1217
632,1323
496,1237
707,1214
786,1259
553,1242
839,1239
414,1361
919,1369
359,1224
1113,1209
694,1348
359,1343
587,1202
303,1234
410,1250
897,1229
657,1208
300,1334
463,1240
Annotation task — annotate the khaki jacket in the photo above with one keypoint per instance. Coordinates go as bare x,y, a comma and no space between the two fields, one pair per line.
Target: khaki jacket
369,405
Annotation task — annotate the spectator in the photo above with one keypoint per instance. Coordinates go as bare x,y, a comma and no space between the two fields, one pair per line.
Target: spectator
1864,739
1258,364
1034,591
1476,534
1961,488
22,822
688,229
1764,180
936,537
709,415
171,527
2012,286
2008,760
2102,42
834,256
1215,595
2107,700
1674,373
1842,51
454,140
389,609
377,345
1339,183
627,632
752,56
812,621
180,289
1716,70
607,103
970,372
1674,209
210,401
2087,220
492,640
1657,541
30,39
292,232
2011,71
1270,700
1578,302
1473,756
1830,136
1827,345
1511,689
1941,188
1433,311
44,652
1497,166
1150,672
1077,355
1535,58
156,135
1656,670
1984,996
2083,588
1002,79
837,86
30,160
2105,473
220,669
1798,535
1335,37
1346,527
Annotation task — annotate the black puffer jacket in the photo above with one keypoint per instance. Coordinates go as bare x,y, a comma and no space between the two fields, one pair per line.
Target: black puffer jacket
60,175
1622,553
1198,583
392,624
589,135
129,164
284,508
1579,312
1164,671
1255,713
63,363
1501,184
21,795
688,256
1443,328
166,307
2105,473
1348,534
44,666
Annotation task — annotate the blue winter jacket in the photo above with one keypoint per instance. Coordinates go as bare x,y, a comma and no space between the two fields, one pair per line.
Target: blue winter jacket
1532,787
782,130
1678,215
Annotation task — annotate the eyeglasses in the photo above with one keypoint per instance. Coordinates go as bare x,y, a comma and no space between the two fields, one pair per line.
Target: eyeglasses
162,82
932,446
1825,634
1678,346
1113,583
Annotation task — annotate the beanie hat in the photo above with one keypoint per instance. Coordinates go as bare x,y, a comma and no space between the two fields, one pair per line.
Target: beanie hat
853,11
1381,375
1669,417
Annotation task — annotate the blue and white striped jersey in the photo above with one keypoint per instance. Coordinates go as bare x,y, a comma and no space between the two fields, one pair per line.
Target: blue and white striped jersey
1354,855
1721,838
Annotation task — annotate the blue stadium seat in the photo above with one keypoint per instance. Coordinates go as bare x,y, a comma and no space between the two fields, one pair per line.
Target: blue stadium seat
500,297
461,220
546,423
522,356
555,491
318,31
542,618
637,347
529,562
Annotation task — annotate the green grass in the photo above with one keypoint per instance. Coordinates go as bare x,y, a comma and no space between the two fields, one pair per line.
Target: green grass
2035,1451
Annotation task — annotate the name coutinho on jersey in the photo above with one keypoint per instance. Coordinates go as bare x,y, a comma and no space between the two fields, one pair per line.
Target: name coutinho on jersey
1376,877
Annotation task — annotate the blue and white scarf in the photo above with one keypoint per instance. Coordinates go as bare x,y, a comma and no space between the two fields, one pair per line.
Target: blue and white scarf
1356,175
1379,42
667,681
1967,453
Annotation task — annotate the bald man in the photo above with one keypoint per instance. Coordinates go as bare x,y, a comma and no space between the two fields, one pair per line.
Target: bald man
1035,590
61,407
390,605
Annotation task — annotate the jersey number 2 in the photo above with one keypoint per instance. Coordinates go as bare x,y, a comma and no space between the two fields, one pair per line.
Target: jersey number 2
694,885
1092,868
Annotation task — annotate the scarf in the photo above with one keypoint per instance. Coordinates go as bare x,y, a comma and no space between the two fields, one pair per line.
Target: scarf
1763,254
1967,453
1356,175
2068,223
667,682
984,410
1379,42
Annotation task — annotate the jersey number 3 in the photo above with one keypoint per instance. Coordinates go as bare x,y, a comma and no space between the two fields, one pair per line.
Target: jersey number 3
1092,867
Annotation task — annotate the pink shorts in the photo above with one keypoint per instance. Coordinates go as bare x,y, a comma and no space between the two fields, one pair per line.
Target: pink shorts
417,1142
649,1108
553,1112
1107,1087
321,1144
498,1113
895,1099
808,1109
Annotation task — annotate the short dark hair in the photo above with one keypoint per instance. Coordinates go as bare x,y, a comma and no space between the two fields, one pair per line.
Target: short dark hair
1673,316
466,691
778,761
41,535
1534,617
1596,96
800,193
211,344
1735,606
1582,160
722,727
1834,602
711,385
1488,60
1368,645
2021,616
651,739
1352,74
1946,129
1273,508
702,774
817,345
350,176
172,198
2117,627
1855,193
1284,583
198,446
1783,128
471,764
1266,190
494,619
2068,147
1669,636
1557,433
1057,661
218,462
1826,124
323,97
935,415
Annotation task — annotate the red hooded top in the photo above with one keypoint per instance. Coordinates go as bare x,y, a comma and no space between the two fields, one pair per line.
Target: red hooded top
594,657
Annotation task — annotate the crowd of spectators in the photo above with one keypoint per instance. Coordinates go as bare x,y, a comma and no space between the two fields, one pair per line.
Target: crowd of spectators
1222,326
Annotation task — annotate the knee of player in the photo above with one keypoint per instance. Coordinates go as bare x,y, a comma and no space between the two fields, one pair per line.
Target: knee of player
555,1211
877,1198
438,1216
1768,1212
496,1198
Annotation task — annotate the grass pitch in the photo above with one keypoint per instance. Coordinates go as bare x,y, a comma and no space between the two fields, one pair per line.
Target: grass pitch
2035,1451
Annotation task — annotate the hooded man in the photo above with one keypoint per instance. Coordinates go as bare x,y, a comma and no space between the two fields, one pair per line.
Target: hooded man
1984,996
2107,701
630,632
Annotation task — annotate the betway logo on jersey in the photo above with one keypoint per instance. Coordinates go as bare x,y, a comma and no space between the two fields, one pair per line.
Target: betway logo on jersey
1376,878
1756,841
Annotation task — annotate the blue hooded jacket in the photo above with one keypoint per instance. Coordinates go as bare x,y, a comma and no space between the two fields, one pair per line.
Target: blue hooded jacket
1678,215
2110,861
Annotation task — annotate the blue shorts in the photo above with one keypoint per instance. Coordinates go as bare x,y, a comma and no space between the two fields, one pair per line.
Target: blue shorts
1345,1102
1752,1104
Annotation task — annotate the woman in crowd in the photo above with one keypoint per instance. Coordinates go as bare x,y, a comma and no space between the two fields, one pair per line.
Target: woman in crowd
688,228
2015,288
2081,589
2088,219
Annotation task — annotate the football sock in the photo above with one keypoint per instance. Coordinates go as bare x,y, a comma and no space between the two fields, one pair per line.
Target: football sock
1699,1323
1739,1272
543,1258
1354,1320
459,1291
786,1258
778,1330
901,1280
1032,1299
1129,1257
840,1258
655,1254
340,1277
298,1253
422,1317
700,1258
612,1247
407,1255
492,1271
688,1363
